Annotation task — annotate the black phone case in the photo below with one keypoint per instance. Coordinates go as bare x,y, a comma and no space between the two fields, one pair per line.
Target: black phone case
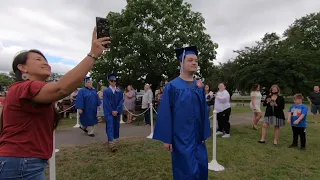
103,28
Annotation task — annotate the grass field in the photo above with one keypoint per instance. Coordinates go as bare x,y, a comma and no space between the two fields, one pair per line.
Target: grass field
241,155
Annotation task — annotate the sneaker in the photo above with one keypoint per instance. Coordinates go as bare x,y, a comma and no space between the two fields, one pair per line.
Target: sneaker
303,149
226,136
293,146
83,129
219,133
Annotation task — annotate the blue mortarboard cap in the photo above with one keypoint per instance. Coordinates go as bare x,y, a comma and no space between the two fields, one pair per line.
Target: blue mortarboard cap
111,76
182,52
87,79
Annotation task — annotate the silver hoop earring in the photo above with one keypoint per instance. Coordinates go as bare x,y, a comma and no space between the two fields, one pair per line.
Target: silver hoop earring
24,77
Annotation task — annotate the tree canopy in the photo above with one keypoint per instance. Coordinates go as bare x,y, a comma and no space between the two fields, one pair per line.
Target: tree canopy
144,36
5,81
292,61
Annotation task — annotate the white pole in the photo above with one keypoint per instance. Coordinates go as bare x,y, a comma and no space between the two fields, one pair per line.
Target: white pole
52,160
214,165
78,121
151,120
121,119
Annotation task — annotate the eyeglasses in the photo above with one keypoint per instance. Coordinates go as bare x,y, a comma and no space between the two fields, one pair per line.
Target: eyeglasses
113,80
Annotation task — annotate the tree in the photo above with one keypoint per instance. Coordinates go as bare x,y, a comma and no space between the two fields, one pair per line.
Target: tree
144,36
223,73
5,81
292,62
54,76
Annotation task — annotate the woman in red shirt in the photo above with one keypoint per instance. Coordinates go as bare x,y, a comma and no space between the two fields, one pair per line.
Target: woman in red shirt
29,117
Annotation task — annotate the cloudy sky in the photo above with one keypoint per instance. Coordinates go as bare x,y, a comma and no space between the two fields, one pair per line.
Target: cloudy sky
62,29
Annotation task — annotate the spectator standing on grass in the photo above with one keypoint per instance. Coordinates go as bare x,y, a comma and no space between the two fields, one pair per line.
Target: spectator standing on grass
209,98
223,108
255,105
146,101
274,114
314,99
26,144
297,117
129,103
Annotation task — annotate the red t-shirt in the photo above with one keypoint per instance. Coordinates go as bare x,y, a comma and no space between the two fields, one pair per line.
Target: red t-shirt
27,127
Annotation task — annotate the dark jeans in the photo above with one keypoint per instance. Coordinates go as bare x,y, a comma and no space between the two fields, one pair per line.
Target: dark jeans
147,116
223,121
14,168
299,131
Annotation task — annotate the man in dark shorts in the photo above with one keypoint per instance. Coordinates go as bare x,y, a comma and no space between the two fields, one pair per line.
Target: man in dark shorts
314,99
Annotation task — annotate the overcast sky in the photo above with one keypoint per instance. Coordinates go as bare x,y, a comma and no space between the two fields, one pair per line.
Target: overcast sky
62,29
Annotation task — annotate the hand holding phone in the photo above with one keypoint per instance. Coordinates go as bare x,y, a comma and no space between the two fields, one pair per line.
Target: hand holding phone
103,29
97,46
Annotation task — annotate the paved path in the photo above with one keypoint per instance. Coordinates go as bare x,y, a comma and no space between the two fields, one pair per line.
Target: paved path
75,136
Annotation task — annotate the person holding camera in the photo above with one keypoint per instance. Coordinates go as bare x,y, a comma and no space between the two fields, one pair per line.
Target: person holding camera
274,114
29,117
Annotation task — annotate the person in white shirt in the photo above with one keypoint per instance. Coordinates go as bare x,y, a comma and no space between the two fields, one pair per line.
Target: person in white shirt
255,105
146,101
223,108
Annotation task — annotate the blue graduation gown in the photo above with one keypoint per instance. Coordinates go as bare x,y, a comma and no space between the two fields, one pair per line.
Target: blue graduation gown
88,100
112,102
183,121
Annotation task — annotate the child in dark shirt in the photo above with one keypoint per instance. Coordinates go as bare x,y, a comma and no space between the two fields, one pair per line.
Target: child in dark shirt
297,117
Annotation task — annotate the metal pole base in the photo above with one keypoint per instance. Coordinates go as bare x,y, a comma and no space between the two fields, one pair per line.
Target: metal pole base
215,166
150,136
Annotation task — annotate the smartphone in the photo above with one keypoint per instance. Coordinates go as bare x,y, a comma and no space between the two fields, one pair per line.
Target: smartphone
103,28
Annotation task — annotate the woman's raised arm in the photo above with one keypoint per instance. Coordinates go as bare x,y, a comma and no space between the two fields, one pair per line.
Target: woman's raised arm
55,91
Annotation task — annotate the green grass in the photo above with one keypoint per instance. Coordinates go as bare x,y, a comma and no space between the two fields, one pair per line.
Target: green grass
241,155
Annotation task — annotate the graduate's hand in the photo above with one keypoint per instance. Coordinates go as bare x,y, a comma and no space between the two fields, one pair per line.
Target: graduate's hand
168,146
296,122
114,113
80,111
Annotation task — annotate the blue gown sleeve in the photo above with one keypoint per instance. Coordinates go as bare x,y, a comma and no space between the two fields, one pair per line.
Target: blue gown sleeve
80,100
98,100
120,103
163,128
107,109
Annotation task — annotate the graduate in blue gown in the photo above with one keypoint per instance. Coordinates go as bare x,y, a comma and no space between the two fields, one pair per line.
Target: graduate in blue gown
87,103
112,108
183,121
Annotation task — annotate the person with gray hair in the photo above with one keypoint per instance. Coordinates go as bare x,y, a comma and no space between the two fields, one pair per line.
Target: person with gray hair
146,101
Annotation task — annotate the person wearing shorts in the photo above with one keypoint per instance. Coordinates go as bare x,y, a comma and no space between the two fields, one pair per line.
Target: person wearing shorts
314,99
255,105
